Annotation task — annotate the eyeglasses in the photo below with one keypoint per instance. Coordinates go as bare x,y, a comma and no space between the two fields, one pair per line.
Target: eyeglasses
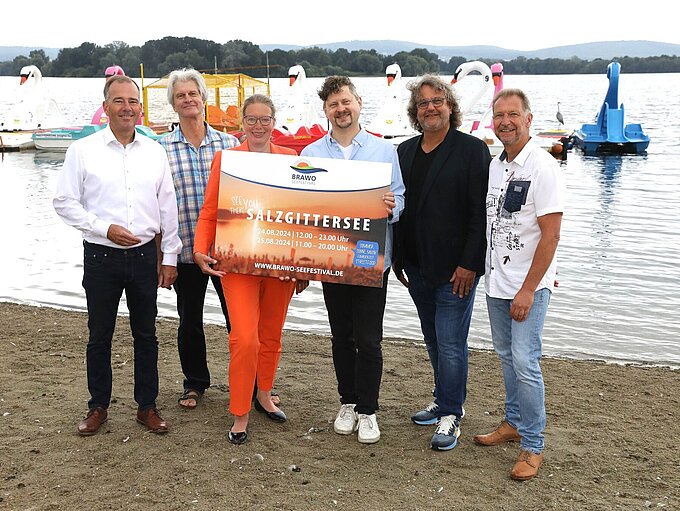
436,102
251,120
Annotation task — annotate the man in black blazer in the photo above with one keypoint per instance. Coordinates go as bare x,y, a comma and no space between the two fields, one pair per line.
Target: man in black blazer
441,242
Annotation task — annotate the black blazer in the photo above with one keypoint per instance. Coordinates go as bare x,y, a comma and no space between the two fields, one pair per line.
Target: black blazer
451,213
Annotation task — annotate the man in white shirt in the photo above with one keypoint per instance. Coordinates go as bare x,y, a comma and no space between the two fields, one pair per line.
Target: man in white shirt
117,189
524,206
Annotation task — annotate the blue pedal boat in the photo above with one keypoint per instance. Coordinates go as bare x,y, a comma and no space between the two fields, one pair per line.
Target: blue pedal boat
609,135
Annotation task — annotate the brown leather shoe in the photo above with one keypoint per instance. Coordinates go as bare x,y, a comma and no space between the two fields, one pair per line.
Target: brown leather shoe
92,421
503,433
152,420
527,466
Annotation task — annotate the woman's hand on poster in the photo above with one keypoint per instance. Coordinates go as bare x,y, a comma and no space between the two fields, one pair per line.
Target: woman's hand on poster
300,285
204,262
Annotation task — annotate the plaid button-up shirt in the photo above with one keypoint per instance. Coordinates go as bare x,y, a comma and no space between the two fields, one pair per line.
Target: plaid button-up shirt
190,168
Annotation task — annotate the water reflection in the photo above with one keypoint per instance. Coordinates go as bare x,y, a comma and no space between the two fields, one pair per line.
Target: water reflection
619,282
49,159
610,168
606,170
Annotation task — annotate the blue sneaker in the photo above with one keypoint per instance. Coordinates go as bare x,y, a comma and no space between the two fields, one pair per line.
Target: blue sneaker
446,436
427,416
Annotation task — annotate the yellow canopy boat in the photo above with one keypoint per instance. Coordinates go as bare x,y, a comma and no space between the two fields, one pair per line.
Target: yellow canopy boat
226,94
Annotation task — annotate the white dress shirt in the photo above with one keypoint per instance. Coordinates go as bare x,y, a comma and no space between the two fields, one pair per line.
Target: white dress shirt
103,183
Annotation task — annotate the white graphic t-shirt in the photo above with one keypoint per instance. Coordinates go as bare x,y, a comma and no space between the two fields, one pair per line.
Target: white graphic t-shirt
519,192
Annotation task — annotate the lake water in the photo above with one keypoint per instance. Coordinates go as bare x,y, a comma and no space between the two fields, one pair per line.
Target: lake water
619,279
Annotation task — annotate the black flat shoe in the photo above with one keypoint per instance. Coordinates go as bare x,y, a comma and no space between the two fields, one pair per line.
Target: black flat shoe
273,394
275,416
238,438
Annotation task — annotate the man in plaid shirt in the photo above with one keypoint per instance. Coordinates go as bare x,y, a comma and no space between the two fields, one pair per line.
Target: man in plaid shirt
190,148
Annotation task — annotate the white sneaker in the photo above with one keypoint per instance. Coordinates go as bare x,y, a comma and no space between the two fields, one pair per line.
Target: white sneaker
367,425
346,421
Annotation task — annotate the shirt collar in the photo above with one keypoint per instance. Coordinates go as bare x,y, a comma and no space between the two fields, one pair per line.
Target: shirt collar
521,158
211,135
176,135
110,137
360,138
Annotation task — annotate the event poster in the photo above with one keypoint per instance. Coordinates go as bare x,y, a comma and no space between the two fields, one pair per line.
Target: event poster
306,218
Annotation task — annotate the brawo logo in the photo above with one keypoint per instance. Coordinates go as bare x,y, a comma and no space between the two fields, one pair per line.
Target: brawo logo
304,172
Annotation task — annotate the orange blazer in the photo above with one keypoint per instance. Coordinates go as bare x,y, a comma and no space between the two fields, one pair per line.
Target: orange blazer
207,219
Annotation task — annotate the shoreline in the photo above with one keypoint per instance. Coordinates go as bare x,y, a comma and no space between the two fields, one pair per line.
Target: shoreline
584,357
611,438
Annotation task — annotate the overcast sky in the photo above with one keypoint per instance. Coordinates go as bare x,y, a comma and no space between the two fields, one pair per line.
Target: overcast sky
527,25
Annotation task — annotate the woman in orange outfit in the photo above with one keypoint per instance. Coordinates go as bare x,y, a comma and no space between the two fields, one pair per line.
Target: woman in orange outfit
257,305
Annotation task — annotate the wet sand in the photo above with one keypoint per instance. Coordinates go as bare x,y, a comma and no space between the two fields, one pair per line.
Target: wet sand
611,439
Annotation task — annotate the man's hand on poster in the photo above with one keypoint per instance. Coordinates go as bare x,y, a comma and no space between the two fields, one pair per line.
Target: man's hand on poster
390,203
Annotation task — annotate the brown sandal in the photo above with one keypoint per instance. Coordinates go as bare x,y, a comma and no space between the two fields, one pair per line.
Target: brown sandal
191,395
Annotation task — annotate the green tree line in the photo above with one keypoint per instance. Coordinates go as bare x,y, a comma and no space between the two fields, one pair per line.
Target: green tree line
161,56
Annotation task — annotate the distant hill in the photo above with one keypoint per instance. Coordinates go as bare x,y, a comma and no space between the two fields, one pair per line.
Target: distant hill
608,49
587,51
9,52
392,47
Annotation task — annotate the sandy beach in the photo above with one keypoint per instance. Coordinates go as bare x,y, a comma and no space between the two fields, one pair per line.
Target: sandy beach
611,439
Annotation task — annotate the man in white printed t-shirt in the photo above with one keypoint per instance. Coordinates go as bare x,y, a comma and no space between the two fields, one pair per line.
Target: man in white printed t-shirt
524,207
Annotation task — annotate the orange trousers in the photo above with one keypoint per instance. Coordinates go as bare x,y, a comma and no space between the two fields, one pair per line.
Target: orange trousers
257,311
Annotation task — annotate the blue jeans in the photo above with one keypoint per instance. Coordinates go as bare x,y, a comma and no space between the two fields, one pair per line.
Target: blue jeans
445,322
107,273
518,345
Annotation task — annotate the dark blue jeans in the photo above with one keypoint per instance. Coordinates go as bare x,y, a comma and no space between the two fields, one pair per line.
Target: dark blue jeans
107,273
190,287
355,314
445,322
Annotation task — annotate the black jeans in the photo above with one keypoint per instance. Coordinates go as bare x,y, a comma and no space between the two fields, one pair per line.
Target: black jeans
190,286
355,314
107,273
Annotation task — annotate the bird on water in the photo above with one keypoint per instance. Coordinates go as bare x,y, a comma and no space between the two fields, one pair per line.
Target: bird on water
559,116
